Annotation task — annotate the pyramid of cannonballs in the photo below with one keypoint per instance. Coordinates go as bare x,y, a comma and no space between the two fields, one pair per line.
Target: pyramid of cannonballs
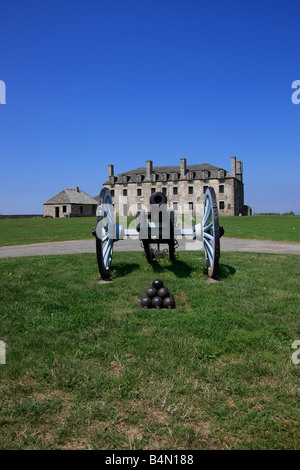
157,296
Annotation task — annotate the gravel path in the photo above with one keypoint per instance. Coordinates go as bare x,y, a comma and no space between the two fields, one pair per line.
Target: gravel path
88,246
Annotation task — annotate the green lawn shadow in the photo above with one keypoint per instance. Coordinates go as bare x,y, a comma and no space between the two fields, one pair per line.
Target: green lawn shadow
225,271
179,268
121,269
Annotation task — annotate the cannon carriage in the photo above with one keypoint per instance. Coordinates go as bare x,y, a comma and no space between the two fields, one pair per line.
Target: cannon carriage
156,228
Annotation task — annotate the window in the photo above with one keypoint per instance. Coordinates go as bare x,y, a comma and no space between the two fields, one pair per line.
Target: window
175,206
221,205
229,206
139,192
139,206
204,189
125,209
191,206
164,190
112,192
152,190
191,189
124,192
175,190
221,188
81,209
64,208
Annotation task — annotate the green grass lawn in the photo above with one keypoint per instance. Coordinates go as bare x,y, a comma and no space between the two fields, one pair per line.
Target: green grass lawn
263,227
22,231
87,370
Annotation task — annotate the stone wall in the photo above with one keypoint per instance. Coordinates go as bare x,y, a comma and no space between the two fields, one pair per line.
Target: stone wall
70,210
231,198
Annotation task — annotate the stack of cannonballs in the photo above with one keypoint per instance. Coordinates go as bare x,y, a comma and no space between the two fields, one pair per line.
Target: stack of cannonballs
157,296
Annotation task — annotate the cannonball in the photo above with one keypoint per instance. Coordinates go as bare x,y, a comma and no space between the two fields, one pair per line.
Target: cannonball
157,284
169,302
146,301
163,292
157,301
151,292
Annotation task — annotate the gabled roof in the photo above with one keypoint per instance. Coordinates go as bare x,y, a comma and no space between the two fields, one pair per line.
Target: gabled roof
159,170
172,169
71,196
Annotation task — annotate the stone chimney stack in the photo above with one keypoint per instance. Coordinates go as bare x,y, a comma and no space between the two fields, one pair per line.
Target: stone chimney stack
149,169
182,167
110,170
239,170
233,166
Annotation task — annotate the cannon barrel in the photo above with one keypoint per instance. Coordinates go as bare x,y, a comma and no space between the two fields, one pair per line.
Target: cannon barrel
158,198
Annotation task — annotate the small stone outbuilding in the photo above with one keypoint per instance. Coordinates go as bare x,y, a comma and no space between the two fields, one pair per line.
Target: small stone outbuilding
70,203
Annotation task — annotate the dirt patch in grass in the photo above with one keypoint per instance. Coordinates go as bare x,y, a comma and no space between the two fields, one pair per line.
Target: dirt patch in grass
115,368
76,444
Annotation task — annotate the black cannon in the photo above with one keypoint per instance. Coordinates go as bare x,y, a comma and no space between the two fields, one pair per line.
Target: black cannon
156,228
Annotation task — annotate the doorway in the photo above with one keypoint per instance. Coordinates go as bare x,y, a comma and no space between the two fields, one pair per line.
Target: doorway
56,211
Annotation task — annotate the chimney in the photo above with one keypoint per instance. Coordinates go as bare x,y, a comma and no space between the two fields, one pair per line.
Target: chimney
110,170
75,188
233,166
239,170
149,169
182,167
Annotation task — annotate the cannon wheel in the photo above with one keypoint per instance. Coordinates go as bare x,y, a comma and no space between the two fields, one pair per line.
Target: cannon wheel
104,242
172,241
211,232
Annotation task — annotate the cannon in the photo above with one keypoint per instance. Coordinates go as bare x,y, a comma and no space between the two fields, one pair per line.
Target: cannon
157,227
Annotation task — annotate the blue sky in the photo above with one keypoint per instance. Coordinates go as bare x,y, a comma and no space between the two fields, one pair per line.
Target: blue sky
121,81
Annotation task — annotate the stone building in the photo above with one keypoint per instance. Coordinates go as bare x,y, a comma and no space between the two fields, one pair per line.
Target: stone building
70,203
184,185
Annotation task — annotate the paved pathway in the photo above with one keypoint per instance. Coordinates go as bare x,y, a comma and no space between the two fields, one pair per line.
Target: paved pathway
88,246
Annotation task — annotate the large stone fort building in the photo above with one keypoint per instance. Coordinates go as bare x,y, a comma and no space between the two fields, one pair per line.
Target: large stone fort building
184,185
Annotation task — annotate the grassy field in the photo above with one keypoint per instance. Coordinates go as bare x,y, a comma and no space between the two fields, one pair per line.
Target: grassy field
22,231
263,227
87,370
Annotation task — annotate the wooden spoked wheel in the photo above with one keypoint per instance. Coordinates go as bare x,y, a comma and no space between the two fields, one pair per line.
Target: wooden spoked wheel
211,232
104,233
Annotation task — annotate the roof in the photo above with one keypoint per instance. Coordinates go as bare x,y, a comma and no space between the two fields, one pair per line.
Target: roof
71,196
159,170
